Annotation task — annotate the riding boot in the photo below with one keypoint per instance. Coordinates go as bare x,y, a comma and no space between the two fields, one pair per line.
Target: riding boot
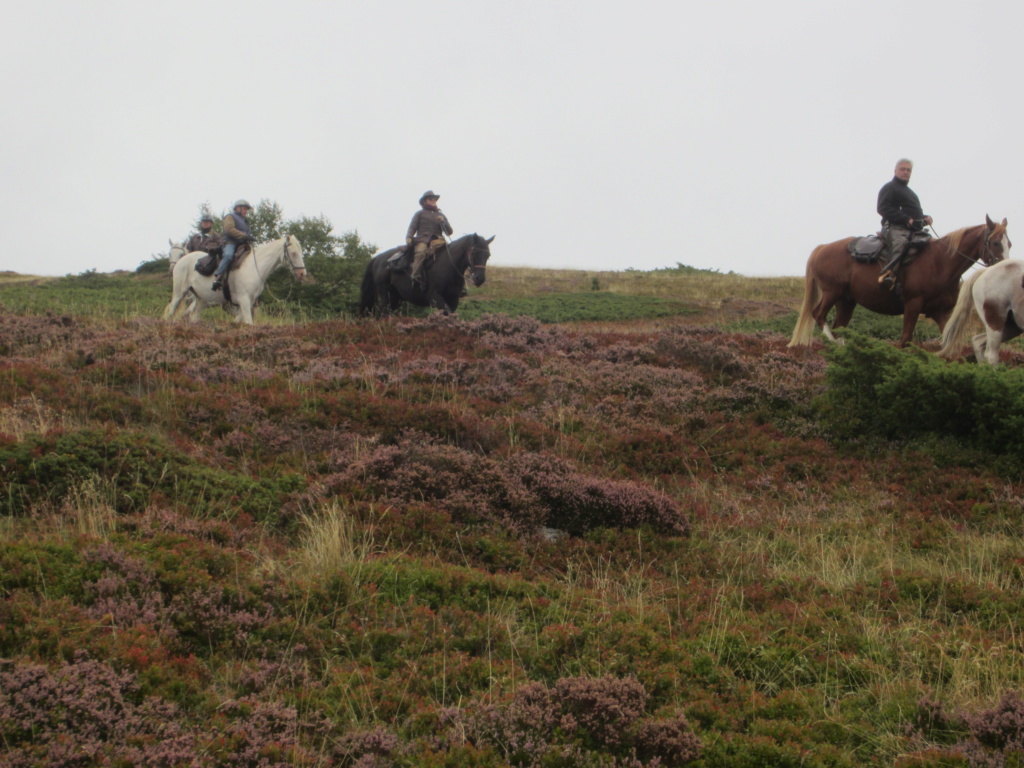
890,269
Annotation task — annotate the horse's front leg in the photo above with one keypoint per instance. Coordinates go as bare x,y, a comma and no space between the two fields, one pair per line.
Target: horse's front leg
244,311
438,301
911,314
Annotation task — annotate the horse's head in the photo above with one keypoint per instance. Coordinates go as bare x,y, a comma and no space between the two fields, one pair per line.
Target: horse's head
293,255
477,254
997,242
176,252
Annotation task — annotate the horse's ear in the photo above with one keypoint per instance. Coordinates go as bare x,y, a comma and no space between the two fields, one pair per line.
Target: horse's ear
1004,222
491,240
989,221
170,242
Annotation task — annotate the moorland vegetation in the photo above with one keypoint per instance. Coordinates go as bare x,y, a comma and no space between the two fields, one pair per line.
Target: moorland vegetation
597,519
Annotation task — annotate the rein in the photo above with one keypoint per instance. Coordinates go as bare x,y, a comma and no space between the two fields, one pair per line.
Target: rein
469,257
985,251
273,266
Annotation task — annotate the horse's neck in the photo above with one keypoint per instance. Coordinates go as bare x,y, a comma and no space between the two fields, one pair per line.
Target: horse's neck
268,255
956,261
457,255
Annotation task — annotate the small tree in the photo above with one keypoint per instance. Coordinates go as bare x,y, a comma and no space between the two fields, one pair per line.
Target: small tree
266,221
206,210
315,236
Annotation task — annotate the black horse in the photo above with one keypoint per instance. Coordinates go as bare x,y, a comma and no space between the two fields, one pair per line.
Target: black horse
384,289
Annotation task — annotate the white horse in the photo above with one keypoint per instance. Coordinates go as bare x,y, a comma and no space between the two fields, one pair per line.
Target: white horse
174,255
997,294
246,283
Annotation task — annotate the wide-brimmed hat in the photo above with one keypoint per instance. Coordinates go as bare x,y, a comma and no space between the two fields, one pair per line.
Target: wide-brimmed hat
429,194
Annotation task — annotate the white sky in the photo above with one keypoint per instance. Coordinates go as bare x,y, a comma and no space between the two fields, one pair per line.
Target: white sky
582,133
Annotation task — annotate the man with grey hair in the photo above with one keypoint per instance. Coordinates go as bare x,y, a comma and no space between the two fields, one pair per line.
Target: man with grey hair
902,216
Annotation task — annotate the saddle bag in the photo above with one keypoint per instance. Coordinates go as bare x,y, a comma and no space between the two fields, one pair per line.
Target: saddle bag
207,264
866,250
400,261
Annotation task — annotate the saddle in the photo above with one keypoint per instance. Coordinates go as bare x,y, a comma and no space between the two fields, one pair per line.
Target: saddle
866,250
208,263
401,259
871,248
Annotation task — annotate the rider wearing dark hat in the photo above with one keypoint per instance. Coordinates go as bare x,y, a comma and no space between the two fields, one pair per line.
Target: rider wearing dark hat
426,230
236,233
205,240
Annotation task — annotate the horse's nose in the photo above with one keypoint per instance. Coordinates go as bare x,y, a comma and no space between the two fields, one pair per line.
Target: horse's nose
478,278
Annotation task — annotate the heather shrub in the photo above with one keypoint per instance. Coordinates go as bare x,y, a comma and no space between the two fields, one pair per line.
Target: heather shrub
85,713
580,720
371,748
703,350
524,491
579,503
996,735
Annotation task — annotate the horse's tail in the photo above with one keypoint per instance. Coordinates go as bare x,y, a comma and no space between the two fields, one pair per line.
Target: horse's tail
178,291
958,326
804,330
368,291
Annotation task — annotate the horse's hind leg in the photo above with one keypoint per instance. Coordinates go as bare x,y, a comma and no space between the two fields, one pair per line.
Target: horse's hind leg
844,311
982,344
171,308
194,310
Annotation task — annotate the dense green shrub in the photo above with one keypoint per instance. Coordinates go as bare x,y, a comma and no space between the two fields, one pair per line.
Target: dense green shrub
46,468
877,390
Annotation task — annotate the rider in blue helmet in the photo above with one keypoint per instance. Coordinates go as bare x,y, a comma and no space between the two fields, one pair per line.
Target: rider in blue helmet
236,233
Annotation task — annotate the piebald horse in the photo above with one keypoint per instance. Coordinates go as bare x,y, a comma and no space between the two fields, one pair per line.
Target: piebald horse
246,283
997,295
930,281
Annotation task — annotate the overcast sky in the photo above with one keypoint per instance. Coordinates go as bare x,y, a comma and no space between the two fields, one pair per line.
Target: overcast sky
584,134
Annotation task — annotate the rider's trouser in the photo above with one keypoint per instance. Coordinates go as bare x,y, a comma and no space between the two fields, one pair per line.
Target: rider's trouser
419,256
225,260
898,240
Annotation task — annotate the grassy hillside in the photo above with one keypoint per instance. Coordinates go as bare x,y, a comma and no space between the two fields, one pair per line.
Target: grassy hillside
642,532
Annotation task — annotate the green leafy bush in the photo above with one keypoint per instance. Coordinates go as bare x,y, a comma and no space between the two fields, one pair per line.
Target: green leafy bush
45,468
877,390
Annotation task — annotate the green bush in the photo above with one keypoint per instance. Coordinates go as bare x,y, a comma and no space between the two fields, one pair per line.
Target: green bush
45,469
877,390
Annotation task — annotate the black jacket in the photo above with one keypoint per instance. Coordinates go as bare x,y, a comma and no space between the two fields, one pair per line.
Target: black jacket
898,204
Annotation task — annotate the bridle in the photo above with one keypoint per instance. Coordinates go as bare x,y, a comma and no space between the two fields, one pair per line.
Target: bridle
986,251
170,254
482,266
273,266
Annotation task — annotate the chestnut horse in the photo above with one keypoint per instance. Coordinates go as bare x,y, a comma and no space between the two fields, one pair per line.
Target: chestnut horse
930,281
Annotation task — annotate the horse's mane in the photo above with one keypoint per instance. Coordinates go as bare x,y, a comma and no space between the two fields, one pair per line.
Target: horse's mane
954,238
